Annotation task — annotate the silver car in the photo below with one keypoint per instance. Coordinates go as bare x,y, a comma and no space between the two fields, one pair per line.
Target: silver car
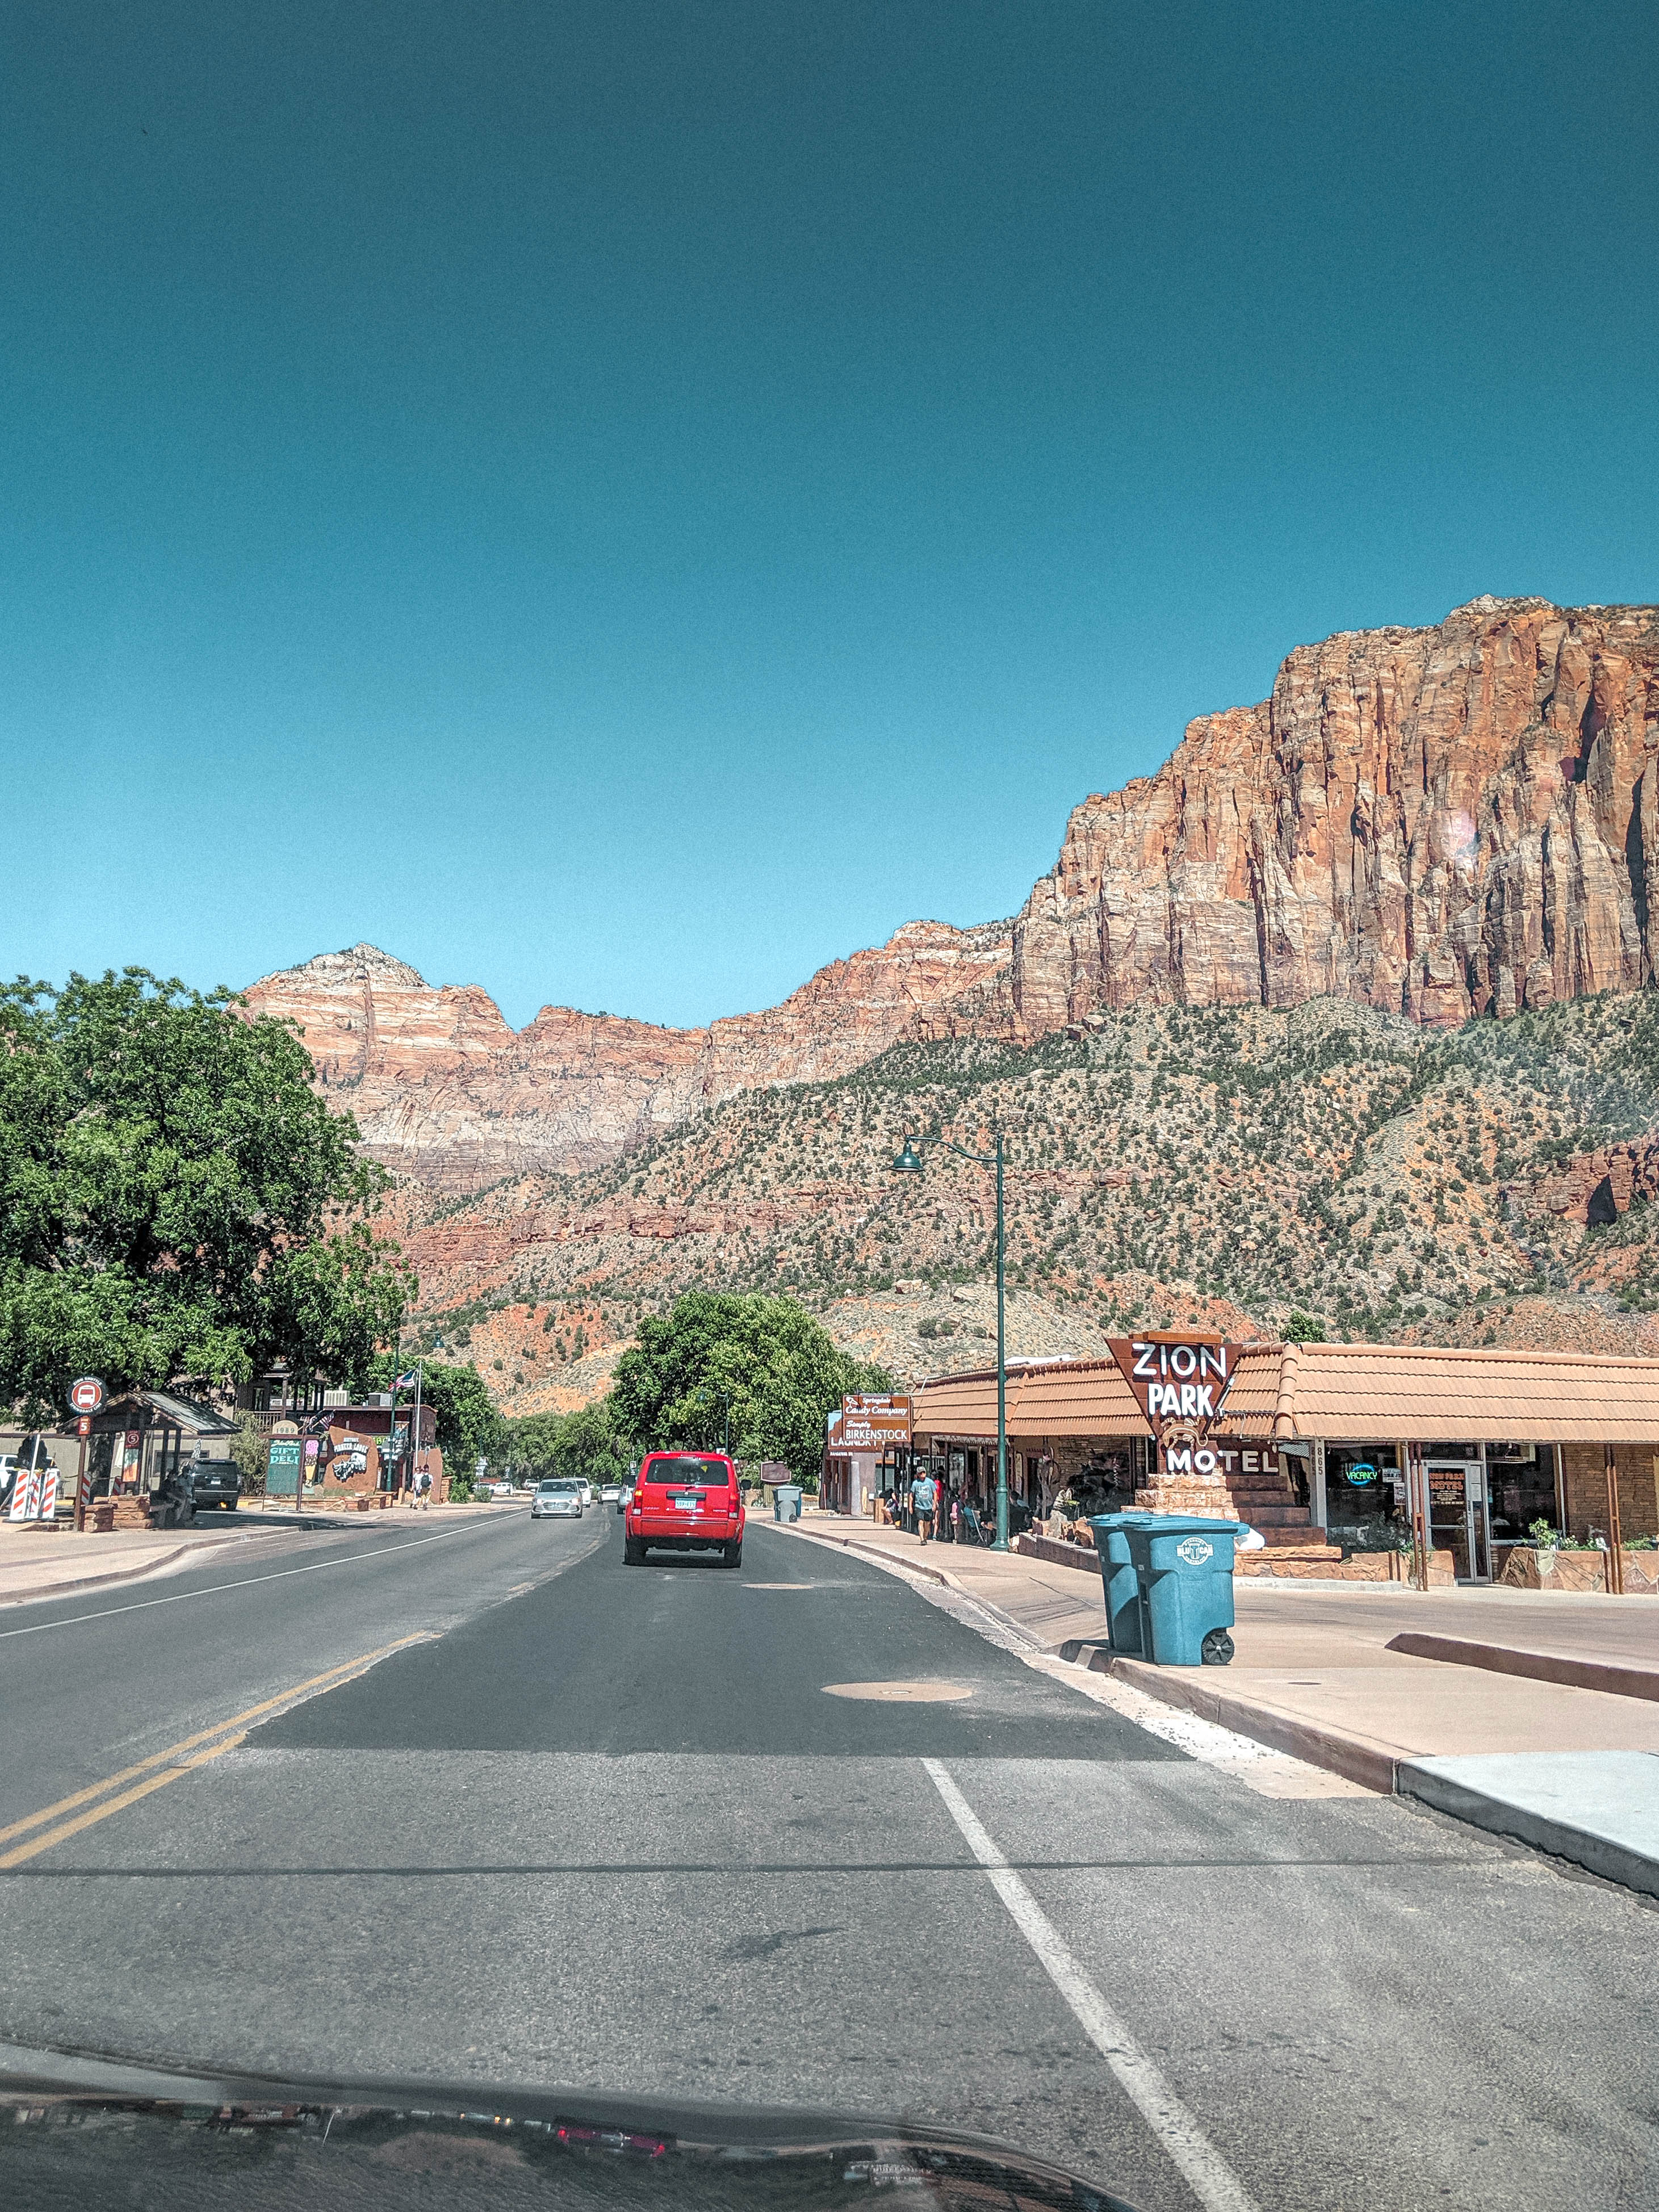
556,1500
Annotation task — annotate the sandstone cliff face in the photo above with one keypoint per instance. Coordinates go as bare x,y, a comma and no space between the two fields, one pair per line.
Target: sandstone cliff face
1437,822
444,1089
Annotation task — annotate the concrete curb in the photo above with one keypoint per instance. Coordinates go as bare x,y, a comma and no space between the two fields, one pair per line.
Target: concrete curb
1597,1854
1190,1690
1537,1666
1056,1553
149,1566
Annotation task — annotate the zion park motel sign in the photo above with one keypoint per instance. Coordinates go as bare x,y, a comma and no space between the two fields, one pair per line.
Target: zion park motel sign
1181,1382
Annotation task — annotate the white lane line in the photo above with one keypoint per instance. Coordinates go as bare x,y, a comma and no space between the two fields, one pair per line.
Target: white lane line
1210,2178
278,1575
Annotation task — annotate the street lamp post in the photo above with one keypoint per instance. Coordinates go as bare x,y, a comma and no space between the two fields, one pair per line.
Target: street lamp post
908,1162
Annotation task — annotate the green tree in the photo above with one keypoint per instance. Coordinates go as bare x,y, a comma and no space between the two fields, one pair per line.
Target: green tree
248,1450
528,1444
176,1202
587,1443
468,1425
1302,1328
776,1365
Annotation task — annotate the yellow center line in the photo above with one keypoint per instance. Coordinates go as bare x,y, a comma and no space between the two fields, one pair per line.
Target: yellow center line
331,1678
69,1829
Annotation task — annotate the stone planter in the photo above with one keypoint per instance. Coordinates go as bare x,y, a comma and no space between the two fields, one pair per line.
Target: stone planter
1553,1567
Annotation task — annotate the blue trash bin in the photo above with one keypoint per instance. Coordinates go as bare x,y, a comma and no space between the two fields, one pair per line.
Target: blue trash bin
1184,1567
1126,1625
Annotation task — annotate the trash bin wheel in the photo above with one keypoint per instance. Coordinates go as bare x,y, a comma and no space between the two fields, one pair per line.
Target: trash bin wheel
1216,1649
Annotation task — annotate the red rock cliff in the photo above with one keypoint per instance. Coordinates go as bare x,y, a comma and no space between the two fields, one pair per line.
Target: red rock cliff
1439,821
443,1088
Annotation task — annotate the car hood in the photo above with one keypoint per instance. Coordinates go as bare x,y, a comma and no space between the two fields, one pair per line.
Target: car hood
81,2132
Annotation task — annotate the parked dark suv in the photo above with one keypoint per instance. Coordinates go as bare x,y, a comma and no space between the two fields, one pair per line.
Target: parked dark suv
215,1482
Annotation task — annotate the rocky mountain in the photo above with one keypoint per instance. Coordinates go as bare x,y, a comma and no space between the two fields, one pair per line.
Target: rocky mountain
446,1090
1435,822
1218,1166
1438,823
1229,1024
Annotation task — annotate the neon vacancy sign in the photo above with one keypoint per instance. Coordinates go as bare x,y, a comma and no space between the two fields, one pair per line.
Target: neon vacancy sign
1176,1378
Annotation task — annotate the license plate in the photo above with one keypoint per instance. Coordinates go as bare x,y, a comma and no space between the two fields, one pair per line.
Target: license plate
688,1504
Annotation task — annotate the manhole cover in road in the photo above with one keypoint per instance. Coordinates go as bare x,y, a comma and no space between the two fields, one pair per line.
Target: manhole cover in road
900,1694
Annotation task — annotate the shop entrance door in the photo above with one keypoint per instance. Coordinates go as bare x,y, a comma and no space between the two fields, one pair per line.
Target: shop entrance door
1459,1518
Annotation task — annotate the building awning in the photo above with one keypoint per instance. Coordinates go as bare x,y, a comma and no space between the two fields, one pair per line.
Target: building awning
1342,1393
1068,1398
1420,1394
162,1409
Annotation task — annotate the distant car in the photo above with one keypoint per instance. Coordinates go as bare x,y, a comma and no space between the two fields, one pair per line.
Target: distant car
557,1500
500,1490
624,1497
215,1482
588,1491
610,1493
686,1502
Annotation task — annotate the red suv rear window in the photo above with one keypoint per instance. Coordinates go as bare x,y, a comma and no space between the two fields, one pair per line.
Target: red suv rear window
689,1472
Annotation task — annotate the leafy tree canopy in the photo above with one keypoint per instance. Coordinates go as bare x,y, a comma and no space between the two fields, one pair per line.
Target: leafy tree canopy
1303,1329
175,1201
468,1424
525,1444
776,1365
588,1444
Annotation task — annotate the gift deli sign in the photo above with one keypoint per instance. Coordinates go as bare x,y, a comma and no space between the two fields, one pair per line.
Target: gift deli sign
1177,1379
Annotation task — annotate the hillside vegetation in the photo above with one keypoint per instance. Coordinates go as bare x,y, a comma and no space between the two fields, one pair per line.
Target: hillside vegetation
1219,1160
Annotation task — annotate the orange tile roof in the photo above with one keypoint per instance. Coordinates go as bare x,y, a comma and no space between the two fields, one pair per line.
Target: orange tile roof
1345,1393
1060,1398
1407,1393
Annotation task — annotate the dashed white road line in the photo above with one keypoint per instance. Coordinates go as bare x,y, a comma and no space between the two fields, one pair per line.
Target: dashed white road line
1208,2175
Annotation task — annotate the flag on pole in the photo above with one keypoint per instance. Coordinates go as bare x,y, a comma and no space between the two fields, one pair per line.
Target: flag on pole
405,1381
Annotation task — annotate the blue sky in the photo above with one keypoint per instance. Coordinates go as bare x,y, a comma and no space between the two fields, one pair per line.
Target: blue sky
624,503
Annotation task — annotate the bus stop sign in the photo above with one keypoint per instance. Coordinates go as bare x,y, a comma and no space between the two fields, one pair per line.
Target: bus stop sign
87,1396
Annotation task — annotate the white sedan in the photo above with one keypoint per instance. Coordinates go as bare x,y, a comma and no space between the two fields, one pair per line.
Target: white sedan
556,1500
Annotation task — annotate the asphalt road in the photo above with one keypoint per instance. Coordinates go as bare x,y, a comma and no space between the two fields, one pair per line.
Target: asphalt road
616,1830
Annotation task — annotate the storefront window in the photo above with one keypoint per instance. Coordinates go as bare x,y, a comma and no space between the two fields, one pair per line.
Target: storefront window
1520,1479
1363,1484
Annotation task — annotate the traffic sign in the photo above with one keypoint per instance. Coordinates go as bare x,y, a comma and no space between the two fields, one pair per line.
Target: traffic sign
83,1426
87,1396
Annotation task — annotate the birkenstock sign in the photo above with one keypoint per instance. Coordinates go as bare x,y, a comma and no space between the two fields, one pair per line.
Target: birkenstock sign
1176,1377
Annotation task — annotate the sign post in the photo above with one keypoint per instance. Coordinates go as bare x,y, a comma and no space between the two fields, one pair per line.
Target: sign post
86,1396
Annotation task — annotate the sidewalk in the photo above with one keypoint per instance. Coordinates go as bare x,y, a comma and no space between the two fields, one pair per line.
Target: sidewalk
37,1562
1319,1674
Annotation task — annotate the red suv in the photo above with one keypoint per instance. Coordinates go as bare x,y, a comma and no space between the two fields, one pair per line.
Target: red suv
684,1502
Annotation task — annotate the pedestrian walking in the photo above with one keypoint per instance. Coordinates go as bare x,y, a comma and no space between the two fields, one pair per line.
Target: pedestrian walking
925,1492
423,1485
956,1520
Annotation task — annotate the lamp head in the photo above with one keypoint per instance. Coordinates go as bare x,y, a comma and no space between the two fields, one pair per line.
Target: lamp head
907,1161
